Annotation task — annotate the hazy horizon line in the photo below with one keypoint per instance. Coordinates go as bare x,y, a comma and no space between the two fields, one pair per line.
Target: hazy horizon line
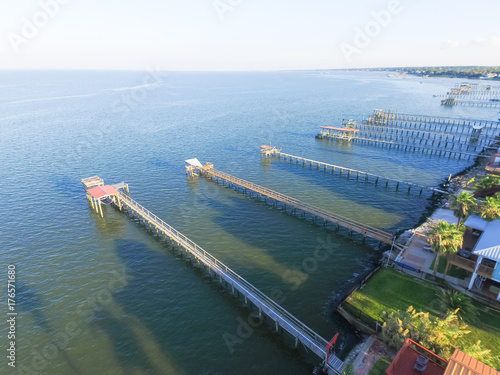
248,70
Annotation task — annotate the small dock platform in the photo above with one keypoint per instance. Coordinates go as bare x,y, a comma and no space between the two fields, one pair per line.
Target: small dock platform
345,133
98,193
268,150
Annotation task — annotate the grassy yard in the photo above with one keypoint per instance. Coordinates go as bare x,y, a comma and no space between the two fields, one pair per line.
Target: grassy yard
389,290
453,271
380,366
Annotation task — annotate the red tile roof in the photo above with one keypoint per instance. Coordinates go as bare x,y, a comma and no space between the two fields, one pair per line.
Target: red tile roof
404,362
102,191
463,364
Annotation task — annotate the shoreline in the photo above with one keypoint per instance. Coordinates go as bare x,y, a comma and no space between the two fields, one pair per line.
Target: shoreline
437,201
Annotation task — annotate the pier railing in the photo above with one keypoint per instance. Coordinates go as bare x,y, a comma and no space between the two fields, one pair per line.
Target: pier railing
474,140
408,147
454,131
350,224
266,305
384,116
358,173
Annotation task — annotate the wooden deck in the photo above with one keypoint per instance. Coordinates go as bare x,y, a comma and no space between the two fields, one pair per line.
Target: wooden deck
281,318
365,176
351,225
471,265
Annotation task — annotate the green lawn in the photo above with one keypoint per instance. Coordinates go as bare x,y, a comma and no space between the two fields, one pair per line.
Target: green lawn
389,290
453,271
380,366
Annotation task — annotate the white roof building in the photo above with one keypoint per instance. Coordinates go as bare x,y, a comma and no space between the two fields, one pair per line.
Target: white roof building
488,245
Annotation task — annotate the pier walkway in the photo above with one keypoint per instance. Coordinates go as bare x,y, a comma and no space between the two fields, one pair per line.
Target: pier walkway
470,103
265,305
365,176
431,135
408,147
427,122
454,140
459,129
353,226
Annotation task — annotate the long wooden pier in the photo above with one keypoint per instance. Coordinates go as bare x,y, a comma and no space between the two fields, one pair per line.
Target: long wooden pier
473,95
433,135
470,103
408,147
384,116
458,126
435,138
352,225
348,172
281,318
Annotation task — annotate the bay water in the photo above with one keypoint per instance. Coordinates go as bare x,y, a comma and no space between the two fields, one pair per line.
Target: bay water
104,296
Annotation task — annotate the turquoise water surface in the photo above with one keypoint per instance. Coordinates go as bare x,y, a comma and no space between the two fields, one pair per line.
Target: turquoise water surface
103,296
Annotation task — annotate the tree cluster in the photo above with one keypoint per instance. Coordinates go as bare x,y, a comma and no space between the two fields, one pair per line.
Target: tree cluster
440,336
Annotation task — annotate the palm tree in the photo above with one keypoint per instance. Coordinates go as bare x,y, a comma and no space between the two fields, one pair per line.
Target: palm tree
462,205
453,300
487,182
454,242
444,238
490,208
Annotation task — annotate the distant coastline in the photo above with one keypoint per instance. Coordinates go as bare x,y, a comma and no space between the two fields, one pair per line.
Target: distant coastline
466,72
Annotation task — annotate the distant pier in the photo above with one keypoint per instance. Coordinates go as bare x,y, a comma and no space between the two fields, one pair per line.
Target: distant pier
282,320
412,147
450,102
473,95
434,123
431,135
359,175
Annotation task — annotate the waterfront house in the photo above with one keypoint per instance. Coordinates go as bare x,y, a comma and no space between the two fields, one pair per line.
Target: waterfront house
413,358
480,254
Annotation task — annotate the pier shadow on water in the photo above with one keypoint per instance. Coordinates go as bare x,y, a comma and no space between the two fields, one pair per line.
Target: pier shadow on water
30,302
136,321
128,352
407,205
154,333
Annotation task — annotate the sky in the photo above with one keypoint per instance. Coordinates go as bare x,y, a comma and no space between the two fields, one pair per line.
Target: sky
232,35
